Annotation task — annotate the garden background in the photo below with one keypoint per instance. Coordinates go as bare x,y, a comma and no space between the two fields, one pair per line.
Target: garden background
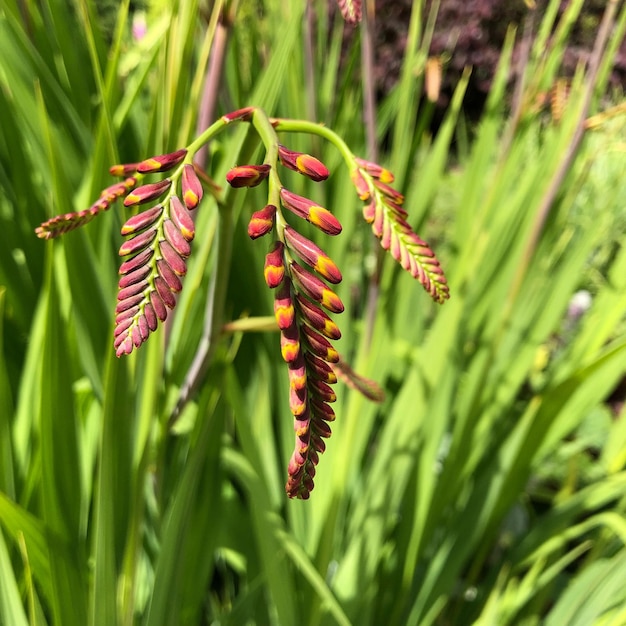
488,487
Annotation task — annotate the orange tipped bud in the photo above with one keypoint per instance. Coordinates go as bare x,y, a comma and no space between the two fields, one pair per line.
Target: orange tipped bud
164,292
146,193
274,265
124,169
261,222
322,391
324,220
248,175
169,276
191,187
283,306
113,192
176,239
180,216
173,258
298,406
317,319
297,374
369,211
135,269
137,243
375,170
320,370
389,192
361,185
312,255
320,346
315,289
308,210
142,220
162,163
304,164
290,343
322,410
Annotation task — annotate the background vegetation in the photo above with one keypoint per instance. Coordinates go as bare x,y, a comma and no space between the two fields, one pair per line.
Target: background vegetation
488,487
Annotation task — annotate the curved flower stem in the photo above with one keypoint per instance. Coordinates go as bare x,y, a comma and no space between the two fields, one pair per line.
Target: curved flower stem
263,126
301,126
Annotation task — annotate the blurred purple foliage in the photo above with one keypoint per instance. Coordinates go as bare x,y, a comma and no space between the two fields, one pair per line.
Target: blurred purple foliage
471,33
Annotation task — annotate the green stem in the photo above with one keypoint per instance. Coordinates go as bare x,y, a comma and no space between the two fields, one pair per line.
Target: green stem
205,137
301,126
263,126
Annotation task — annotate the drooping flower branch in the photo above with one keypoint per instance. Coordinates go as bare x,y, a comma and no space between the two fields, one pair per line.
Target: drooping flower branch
300,272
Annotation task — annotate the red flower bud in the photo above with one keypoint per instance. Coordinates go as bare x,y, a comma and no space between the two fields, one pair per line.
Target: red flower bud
297,373
303,163
369,212
320,346
389,192
113,192
123,169
315,289
290,343
316,318
191,187
312,255
308,210
162,163
361,185
146,193
298,406
284,311
137,243
261,222
142,220
248,175
173,258
182,219
375,170
137,262
139,273
176,239
274,265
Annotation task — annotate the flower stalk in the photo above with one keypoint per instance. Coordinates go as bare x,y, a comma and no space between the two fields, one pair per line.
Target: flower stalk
159,242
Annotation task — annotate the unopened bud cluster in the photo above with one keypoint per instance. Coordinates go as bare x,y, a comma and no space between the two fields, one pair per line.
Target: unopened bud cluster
158,245
296,268
384,211
158,242
157,248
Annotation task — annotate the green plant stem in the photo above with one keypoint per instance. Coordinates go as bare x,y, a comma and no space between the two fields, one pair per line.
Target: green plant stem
197,144
301,126
264,128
